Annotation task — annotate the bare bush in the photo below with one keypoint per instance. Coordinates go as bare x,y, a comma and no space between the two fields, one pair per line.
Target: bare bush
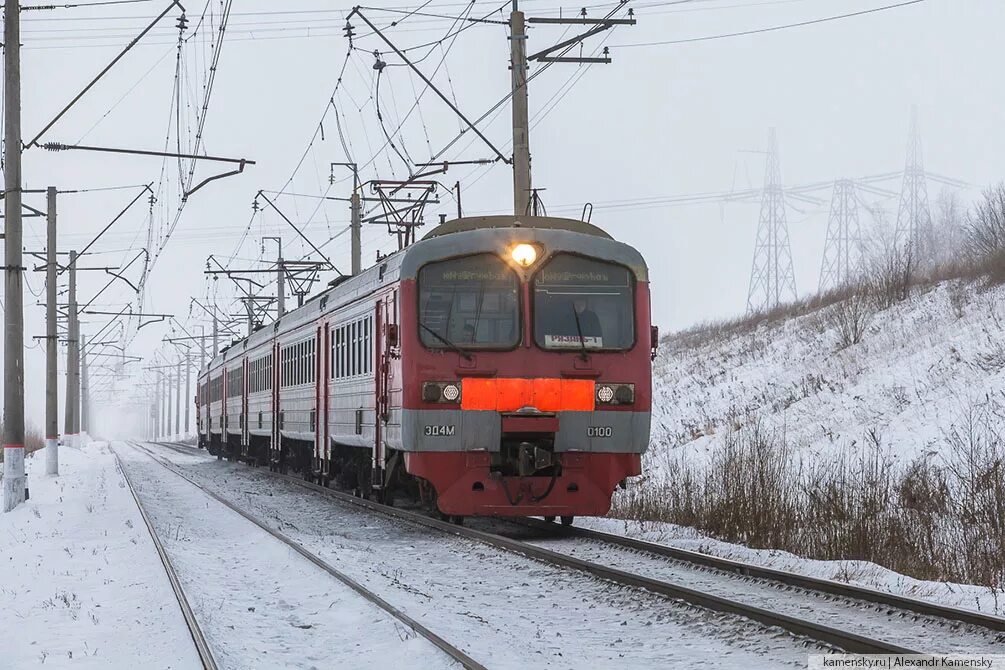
939,518
851,317
986,232
890,266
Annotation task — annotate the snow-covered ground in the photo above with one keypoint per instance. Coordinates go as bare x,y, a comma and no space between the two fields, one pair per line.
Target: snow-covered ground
504,610
860,573
259,603
920,365
82,586
926,369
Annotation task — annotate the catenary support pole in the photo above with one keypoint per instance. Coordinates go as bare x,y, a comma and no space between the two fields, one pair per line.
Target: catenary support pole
167,415
188,392
14,482
71,352
521,123
177,403
216,333
51,341
357,226
84,422
281,281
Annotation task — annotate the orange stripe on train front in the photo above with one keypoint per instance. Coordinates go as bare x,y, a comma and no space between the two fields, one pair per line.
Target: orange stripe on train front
510,394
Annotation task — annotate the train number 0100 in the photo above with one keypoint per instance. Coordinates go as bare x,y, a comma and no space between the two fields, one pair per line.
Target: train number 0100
600,431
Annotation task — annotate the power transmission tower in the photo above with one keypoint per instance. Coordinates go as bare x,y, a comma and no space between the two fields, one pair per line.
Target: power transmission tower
842,260
914,221
772,279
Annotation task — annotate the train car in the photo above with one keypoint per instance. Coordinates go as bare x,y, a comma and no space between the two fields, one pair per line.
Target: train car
501,366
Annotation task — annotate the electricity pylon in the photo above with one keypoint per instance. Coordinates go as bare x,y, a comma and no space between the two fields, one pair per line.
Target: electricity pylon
771,277
842,260
914,220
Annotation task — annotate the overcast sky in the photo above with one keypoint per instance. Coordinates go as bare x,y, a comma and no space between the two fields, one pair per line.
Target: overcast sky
660,121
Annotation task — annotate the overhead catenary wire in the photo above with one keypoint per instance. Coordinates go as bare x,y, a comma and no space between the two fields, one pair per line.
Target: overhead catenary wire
768,29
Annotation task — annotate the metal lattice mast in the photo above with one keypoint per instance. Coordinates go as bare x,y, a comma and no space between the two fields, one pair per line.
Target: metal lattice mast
772,279
913,217
842,260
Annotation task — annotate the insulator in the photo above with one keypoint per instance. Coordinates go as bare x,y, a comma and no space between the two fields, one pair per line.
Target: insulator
182,22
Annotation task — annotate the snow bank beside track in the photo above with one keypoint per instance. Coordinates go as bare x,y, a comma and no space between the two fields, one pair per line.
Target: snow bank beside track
83,585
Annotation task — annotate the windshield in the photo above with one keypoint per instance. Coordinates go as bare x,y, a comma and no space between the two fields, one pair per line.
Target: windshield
469,303
582,303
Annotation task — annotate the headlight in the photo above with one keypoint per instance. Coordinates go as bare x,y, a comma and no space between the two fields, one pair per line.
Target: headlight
615,394
442,392
524,254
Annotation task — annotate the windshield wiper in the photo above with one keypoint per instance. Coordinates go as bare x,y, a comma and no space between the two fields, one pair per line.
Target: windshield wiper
462,352
579,329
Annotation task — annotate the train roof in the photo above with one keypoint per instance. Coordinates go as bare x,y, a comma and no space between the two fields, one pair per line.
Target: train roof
510,221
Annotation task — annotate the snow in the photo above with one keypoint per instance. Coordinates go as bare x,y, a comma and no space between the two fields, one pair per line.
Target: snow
920,368
82,584
910,380
260,604
911,631
505,610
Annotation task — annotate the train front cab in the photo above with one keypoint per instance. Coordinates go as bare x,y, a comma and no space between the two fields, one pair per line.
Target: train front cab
526,361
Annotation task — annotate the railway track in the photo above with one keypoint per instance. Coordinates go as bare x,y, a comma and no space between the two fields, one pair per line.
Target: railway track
447,648
894,607
818,585
198,638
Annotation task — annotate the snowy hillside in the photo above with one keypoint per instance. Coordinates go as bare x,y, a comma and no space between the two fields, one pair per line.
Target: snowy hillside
782,434
920,368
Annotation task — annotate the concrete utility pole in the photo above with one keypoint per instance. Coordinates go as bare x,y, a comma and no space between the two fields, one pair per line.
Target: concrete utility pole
281,281
157,409
521,123
202,348
84,420
51,341
72,339
167,415
177,402
216,333
15,488
188,391
356,228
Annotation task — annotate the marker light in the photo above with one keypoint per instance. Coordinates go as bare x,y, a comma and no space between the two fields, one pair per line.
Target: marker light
524,254
451,392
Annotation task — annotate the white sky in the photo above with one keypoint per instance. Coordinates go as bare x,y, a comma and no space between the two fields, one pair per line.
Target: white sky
660,121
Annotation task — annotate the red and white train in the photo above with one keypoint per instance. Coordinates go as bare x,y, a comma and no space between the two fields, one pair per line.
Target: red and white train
501,366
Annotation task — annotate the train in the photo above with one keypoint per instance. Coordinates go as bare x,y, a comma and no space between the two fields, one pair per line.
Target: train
499,366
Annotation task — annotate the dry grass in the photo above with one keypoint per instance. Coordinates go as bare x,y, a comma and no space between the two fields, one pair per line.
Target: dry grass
939,518
33,440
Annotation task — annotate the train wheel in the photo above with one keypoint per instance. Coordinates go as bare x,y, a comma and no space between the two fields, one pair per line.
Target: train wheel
549,519
567,520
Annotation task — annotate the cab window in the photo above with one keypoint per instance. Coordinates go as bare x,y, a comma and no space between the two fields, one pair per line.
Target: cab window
583,303
469,303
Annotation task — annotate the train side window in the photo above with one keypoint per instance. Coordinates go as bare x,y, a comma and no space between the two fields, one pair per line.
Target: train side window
367,349
350,343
